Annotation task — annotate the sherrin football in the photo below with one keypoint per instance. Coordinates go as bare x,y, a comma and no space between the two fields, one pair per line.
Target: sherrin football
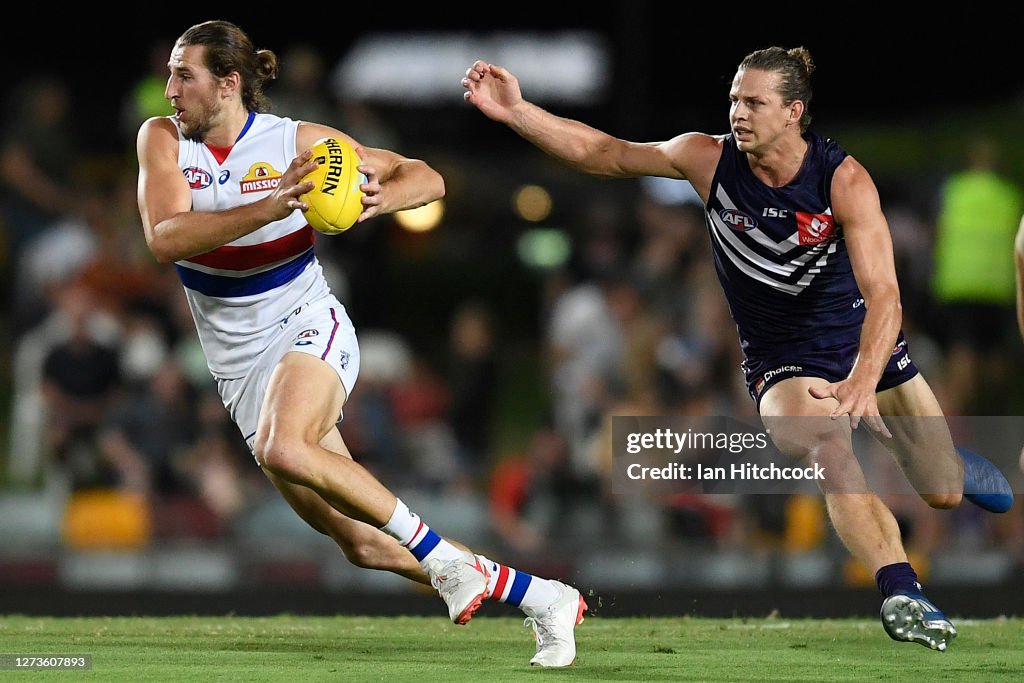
335,201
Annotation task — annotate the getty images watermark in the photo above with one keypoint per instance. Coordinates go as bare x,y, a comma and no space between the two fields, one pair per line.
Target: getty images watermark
666,440
718,454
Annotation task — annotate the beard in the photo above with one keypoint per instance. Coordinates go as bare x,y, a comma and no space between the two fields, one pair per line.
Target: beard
195,132
200,124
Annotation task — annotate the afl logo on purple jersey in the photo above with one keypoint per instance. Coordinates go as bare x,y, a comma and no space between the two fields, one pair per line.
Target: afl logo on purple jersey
198,178
737,220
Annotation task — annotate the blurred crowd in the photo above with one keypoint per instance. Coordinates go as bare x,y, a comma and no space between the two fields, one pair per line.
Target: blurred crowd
107,389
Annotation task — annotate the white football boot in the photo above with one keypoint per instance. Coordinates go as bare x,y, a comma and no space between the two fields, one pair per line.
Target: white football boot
461,583
554,628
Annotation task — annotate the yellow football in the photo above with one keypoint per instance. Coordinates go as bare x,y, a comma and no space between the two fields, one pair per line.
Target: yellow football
335,201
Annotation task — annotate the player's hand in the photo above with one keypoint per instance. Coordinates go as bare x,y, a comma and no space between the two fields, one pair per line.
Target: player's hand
492,89
285,197
855,399
371,188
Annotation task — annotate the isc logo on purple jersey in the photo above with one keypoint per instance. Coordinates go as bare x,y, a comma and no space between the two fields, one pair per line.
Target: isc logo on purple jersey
198,178
737,220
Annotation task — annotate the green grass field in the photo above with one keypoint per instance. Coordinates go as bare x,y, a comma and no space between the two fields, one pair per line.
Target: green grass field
300,649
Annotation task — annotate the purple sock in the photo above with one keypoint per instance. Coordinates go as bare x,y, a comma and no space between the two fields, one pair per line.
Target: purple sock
897,578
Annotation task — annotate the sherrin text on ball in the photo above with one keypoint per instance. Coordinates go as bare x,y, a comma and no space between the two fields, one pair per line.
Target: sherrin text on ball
335,201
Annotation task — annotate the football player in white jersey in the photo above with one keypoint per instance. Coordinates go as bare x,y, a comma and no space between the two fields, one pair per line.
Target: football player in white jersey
214,201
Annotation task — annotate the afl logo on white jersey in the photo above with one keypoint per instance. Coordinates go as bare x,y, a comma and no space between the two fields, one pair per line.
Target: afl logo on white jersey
197,178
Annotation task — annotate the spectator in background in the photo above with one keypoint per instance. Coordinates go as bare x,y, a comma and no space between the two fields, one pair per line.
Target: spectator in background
145,98
696,357
640,330
472,381
419,405
670,246
38,157
584,348
371,424
973,278
216,466
80,381
96,243
149,430
523,483
53,257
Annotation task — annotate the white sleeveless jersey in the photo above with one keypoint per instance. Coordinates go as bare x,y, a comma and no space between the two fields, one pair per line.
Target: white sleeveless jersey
241,292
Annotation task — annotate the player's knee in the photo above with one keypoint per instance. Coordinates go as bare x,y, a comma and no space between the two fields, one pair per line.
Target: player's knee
839,466
279,456
804,441
942,501
832,451
362,556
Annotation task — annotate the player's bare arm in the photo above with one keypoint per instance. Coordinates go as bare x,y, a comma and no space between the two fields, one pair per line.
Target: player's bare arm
393,182
173,230
1018,255
495,92
858,210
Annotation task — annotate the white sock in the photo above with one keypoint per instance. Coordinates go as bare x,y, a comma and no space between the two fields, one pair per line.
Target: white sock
422,541
530,593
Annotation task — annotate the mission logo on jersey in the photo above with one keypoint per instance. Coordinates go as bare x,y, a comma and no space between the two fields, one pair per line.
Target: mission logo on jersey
262,177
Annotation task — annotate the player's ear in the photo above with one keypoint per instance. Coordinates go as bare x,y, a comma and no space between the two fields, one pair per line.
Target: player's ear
796,112
230,84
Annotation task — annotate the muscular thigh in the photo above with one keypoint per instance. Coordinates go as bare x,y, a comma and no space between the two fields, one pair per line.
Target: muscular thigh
798,422
921,439
321,333
802,429
911,398
303,401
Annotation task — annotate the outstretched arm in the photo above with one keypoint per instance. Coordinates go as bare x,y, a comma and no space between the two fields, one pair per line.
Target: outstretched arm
495,92
393,182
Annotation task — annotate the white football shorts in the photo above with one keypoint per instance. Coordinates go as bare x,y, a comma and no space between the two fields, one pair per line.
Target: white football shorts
322,329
